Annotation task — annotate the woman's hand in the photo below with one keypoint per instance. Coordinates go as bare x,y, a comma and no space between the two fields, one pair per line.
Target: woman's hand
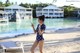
33,28
41,32
32,25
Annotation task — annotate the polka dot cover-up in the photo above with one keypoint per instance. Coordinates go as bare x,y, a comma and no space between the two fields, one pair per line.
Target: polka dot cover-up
40,37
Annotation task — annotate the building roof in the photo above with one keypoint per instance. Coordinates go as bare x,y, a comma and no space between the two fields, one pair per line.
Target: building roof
51,7
15,7
39,7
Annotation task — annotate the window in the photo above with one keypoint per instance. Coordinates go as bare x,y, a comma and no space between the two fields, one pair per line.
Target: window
45,10
15,9
61,13
39,10
7,10
45,13
28,10
1,9
56,13
22,9
39,13
56,10
28,14
50,13
51,9
1,15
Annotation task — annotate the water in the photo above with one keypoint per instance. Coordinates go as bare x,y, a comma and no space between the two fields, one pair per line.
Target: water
13,28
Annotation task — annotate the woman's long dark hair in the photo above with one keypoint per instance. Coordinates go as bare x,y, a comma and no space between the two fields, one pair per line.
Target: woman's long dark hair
41,18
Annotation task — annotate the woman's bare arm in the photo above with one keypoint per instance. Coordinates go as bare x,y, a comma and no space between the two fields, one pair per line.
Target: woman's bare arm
41,32
33,28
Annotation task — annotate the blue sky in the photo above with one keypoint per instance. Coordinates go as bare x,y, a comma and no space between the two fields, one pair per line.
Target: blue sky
58,3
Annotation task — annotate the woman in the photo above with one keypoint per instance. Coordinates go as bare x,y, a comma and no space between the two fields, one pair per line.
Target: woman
39,38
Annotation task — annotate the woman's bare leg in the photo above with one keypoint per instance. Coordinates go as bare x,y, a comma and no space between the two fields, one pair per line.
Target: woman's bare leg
34,46
41,45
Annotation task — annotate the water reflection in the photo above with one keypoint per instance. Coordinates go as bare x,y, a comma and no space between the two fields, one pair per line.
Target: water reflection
50,23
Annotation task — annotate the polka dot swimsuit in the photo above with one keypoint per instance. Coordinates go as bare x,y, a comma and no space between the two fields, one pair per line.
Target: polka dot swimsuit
40,37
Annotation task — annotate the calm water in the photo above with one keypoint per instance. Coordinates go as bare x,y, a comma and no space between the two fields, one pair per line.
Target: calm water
25,26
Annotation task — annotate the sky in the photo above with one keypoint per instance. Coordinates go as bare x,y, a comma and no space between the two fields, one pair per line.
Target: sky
75,3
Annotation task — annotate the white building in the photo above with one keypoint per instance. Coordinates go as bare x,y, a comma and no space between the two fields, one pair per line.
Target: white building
77,12
7,12
50,11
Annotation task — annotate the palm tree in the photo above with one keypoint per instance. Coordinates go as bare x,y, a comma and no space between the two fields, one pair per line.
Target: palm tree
1,4
54,0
